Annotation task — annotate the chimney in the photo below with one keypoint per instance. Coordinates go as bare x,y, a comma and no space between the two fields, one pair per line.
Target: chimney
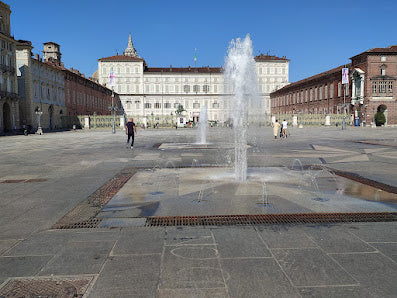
36,56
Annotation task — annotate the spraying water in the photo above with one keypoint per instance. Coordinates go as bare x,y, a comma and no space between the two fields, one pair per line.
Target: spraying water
241,83
203,126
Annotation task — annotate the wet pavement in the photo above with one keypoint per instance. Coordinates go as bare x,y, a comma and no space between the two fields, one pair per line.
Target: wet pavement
61,171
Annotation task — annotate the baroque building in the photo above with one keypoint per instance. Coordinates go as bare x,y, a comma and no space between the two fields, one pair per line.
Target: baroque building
153,94
9,103
372,87
51,96
41,88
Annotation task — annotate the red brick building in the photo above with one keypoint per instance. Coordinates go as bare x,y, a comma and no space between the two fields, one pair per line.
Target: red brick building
86,97
372,85
83,96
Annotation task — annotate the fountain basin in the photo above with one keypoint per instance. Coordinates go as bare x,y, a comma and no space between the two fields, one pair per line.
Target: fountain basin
213,191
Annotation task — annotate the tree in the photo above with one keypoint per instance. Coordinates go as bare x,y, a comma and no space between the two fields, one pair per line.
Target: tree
180,110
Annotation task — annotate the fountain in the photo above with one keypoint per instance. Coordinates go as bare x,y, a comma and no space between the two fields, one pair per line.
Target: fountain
203,126
241,82
211,187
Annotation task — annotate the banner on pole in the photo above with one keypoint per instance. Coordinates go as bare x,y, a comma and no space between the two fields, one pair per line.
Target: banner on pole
112,79
345,76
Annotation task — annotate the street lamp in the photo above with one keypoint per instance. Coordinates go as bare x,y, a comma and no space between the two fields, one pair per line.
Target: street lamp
113,109
39,129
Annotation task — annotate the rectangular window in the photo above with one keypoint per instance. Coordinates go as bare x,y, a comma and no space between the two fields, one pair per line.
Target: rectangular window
176,105
186,88
383,58
339,89
383,71
157,105
374,87
196,105
148,105
326,92
196,88
331,91
215,105
176,89
382,87
167,105
390,88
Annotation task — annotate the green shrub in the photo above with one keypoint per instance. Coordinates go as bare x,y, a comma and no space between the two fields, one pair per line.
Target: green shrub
380,119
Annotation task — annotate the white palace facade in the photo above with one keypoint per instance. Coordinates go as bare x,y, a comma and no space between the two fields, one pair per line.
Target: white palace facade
154,94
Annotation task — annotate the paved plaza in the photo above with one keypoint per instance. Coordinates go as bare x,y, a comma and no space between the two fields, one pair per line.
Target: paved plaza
53,184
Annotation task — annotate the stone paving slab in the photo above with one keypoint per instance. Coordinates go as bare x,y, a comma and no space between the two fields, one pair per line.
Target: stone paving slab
128,275
372,270
140,241
256,278
285,236
335,240
21,266
307,267
79,258
388,249
331,292
240,242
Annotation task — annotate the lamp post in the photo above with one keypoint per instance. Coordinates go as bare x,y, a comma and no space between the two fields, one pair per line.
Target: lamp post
113,109
345,83
39,129
112,82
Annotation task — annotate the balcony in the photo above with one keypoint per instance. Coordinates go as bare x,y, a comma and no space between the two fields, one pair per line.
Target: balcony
6,68
8,95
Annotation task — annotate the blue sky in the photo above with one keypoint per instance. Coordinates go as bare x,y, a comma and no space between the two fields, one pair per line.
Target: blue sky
314,35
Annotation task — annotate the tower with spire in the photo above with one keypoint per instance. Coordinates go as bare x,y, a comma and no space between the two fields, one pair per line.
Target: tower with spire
130,50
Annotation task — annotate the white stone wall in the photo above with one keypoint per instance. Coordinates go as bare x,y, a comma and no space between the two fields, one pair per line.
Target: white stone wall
44,89
271,76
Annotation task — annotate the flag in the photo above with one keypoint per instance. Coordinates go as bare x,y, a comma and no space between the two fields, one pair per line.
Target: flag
345,76
195,56
112,79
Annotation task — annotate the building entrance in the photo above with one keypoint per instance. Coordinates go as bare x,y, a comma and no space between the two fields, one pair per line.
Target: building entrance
51,117
7,126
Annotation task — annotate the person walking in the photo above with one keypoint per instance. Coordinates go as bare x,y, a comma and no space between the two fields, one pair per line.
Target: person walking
285,124
130,131
276,128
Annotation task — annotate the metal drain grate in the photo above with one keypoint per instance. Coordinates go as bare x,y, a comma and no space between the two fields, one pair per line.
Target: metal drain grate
42,287
220,220
87,224
83,215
